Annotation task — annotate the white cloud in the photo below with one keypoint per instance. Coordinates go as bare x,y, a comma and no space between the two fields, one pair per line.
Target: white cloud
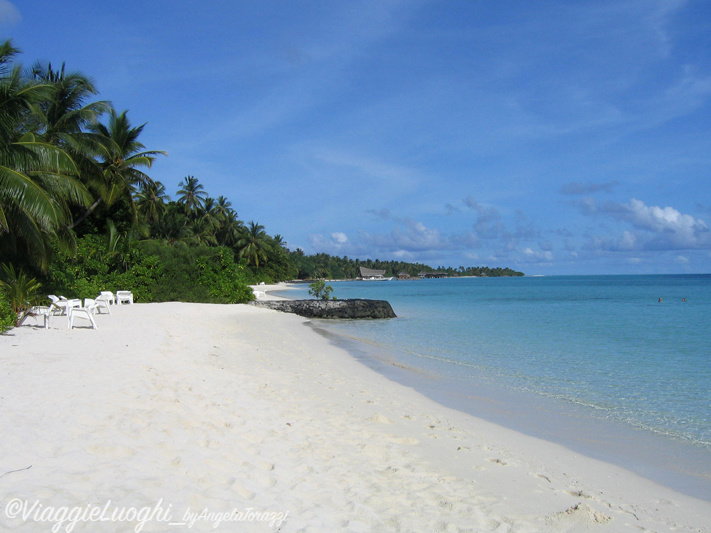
531,255
660,228
339,237
665,219
336,243
9,14
410,235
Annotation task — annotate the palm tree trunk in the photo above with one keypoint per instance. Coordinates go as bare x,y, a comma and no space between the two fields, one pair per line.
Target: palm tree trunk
86,214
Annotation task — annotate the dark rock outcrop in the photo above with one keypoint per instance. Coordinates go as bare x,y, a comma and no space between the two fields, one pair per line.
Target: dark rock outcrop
332,308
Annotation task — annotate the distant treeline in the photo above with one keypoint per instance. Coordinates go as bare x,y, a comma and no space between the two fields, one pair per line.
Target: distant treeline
332,267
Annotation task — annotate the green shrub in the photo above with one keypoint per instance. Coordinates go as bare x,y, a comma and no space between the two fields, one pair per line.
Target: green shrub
220,276
319,290
7,315
20,291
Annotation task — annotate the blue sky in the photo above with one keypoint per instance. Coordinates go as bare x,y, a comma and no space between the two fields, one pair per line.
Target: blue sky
554,137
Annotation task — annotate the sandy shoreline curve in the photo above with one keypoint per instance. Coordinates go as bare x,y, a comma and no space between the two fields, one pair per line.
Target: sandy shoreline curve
246,417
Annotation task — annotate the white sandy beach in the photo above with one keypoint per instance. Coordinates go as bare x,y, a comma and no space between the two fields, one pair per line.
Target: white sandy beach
171,409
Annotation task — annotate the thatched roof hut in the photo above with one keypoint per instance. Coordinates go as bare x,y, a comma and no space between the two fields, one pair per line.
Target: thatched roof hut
370,273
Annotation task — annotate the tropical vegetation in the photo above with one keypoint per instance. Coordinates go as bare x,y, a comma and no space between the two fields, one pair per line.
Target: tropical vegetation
79,212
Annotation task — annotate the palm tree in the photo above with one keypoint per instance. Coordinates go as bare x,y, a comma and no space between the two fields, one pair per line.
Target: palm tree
230,231
37,179
63,117
210,213
191,195
253,244
200,231
224,207
172,225
150,201
120,157
279,241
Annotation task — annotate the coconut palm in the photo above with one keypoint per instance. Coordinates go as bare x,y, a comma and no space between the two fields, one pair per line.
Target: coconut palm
191,195
121,156
151,201
172,225
37,179
223,208
253,244
63,117
200,231
210,213
230,231
278,240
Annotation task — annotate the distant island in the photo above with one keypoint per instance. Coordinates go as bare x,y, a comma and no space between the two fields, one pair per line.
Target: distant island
331,267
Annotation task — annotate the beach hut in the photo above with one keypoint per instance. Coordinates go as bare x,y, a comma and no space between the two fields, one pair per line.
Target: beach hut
370,274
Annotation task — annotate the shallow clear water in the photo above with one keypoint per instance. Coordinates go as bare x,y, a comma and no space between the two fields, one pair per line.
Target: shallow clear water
603,345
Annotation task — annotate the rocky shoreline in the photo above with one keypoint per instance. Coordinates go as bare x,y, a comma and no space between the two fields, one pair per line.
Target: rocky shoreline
347,309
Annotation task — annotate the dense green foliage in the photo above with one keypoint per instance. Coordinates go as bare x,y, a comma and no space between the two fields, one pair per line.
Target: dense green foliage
196,274
79,214
153,270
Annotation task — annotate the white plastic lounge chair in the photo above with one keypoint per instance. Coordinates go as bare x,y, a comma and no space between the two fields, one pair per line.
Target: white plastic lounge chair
102,302
59,305
95,305
82,312
108,296
39,311
124,297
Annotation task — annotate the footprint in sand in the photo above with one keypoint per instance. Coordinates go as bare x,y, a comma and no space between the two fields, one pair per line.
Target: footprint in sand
578,515
380,419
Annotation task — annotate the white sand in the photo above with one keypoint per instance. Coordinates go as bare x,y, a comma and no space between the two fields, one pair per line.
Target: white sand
171,408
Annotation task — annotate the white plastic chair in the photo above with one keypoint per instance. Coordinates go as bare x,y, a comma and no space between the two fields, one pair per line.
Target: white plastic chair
83,312
37,311
59,305
108,296
102,302
124,297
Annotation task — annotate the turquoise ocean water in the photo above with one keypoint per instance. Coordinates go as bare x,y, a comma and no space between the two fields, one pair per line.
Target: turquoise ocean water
596,363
